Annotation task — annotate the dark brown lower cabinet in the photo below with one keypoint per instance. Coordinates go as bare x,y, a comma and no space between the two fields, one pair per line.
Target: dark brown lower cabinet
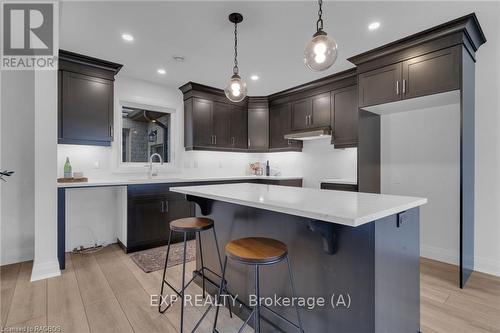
339,187
151,207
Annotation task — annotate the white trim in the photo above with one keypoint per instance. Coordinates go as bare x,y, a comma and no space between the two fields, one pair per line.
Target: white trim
481,264
439,254
121,167
24,254
45,270
487,265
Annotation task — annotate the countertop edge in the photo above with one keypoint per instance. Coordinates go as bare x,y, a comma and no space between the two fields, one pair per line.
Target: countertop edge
356,222
125,182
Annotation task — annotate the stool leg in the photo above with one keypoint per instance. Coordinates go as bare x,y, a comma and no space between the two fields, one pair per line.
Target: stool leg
164,272
202,264
183,282
223,281
257,306
294,294
219,294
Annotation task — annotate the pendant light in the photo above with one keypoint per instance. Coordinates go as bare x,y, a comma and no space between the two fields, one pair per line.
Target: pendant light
321,51
236,90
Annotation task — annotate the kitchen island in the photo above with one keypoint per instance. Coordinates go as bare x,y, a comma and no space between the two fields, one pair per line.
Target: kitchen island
357,251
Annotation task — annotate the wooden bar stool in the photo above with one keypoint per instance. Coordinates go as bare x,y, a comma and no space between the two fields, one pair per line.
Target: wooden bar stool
258,251
185,226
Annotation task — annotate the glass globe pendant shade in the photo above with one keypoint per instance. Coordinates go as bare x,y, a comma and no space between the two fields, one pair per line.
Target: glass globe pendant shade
236,90
320,52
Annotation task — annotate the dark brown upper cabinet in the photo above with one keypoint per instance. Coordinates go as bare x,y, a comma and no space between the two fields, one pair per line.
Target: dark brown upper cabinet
258,124
221,123
428,74
279,125
345,120
380,86
85,99
301,113
431,73
200,122
211,122
238,127
311,112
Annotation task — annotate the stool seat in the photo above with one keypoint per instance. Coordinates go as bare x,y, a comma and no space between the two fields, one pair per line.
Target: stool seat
191,224
256,250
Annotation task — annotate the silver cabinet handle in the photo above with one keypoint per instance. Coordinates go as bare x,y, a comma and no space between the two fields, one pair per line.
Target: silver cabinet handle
233,141
165,206
404,86
397,87
215,139
249,142
162,207
111,131
307,119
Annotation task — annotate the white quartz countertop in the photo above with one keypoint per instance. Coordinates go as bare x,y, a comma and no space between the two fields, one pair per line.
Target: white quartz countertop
120,181
341,207
339,181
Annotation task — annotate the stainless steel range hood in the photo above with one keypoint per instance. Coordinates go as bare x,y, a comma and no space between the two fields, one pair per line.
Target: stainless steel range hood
312,134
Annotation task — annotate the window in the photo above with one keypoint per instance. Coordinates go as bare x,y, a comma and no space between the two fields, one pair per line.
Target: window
145,133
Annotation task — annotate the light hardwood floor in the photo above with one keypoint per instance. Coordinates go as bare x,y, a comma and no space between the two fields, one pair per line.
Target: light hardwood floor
107,292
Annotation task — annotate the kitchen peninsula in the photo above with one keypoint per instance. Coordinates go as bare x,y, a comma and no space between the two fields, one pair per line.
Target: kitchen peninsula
361,246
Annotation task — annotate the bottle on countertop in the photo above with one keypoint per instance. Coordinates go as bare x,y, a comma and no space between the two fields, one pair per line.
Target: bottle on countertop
268,168
67,169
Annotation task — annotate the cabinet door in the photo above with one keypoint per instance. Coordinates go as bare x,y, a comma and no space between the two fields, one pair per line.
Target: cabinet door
379,86
258,129
202,122
321,110
239,127
279,125
221,122
431,73
86,113
301,110
147,221
345,123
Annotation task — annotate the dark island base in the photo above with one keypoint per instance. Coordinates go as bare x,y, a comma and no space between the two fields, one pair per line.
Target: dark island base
375,268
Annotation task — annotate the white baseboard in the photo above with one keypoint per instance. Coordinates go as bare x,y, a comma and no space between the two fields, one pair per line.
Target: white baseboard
45,270
481,264
25,254
487,265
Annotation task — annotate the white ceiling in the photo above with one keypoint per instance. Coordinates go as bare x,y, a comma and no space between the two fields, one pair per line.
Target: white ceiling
271,38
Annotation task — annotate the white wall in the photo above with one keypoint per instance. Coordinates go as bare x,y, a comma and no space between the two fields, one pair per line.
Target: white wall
17,221
84,223
421,157
318,159
487,192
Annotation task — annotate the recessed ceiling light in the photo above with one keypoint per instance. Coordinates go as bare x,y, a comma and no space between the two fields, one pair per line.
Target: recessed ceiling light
374,26
161,71
127,37
178,58
254,77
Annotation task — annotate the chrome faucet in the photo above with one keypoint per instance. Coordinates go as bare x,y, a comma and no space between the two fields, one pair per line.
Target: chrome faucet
150,165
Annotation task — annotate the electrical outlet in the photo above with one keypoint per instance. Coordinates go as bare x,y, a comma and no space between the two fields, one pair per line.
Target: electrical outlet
97,165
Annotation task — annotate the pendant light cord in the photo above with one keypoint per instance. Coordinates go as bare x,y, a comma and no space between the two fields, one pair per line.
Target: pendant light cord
319,23
235,68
